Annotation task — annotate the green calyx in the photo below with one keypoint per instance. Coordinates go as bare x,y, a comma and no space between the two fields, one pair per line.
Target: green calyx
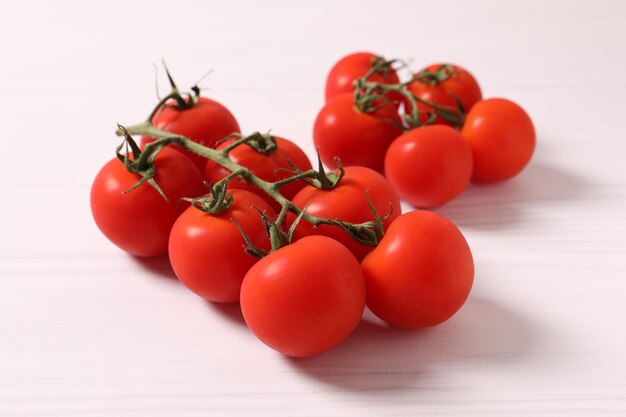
141,163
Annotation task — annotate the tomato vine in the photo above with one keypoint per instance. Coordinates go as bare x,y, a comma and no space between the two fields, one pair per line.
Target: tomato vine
366,233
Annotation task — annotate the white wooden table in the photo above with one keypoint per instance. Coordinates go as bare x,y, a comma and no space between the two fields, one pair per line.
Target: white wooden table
87,330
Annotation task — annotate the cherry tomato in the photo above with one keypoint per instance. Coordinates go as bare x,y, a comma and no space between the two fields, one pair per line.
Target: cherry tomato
207,250
348,202
206,122
434,94
502,138
305,298
357,138
269,167
429,166
421,272
140,221
354,66
460,83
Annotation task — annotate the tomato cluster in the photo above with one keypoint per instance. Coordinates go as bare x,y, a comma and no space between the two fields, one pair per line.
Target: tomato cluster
247,219
430,135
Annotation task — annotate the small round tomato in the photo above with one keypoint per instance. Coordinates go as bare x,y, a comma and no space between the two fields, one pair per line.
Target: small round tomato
436,95
205,122
353,66
348,202
269,167
459,83
357,138
502,138
139,221
429,166
305,298
421,272
207,250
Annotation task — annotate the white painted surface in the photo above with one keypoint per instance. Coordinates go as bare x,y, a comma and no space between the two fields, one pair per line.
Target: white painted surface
87,330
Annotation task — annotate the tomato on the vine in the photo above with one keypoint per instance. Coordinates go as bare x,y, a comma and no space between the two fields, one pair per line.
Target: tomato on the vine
139,221
454,80
357,138
304,298
502,138
429,166
342,75
347,201
421,272
207,250
206,122
269,167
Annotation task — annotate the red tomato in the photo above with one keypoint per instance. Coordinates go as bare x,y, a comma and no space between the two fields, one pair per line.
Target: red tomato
206,122
353,66
421,272
269,167
207,250
357,138
502,138
434,94
305,298
140,221
429,166
348,202
460,84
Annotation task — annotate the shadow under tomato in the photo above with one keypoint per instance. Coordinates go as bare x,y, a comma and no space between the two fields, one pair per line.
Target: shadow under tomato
501,205
378,359
159,265
230,311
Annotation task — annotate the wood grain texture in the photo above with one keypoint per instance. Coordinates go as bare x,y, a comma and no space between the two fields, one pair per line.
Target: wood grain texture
86,330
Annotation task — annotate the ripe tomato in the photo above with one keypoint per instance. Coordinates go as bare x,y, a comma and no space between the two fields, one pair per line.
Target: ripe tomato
140,221
348,202
305,298
341,130
269,167
421,272
343,74
206,122
460,84
435,94
502,138
429,166
207,250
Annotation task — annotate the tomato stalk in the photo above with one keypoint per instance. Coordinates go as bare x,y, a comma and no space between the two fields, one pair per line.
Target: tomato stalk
370,96
366,233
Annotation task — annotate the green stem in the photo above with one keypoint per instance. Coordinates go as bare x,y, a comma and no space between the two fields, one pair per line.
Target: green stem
361,232
368,87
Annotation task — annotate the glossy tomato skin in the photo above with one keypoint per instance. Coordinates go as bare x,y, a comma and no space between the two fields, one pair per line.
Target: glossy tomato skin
348,202
139,221
435,94
421,273
269,167
207,250
429,166
343,74
357,138
305,298
206,122
460,84
502,138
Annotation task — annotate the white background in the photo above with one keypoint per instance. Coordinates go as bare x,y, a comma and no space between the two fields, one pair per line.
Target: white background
87,330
